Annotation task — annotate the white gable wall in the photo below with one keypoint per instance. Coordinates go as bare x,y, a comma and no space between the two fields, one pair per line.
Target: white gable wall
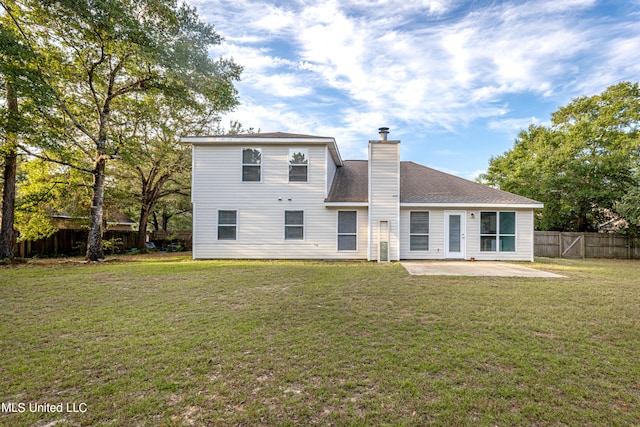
260,206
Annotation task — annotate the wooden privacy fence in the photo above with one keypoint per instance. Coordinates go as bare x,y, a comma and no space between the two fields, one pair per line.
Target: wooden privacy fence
74,242
162,238
586,245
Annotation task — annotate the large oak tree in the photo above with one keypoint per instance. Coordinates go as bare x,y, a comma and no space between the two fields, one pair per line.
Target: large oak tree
154,165
94,55
582,165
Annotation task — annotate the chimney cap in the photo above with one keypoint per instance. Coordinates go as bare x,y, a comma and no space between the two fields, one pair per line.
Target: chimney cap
383,130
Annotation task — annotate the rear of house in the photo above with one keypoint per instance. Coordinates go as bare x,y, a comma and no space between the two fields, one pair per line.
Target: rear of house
290,196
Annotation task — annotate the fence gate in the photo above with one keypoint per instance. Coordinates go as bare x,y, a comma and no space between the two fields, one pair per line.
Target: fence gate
586,245
572,245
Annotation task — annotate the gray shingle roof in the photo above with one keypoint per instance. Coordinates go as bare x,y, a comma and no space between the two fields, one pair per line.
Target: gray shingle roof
351,182
272,135
419,184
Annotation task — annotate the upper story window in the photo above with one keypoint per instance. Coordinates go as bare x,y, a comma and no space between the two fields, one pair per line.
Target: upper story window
251,164
298,165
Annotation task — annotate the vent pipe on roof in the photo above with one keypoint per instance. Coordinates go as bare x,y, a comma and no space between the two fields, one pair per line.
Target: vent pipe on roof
383,133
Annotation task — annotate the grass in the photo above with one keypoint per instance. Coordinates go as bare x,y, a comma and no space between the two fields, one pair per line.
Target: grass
174,342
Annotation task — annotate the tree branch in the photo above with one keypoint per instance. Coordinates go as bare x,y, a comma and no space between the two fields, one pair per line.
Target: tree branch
50,120
90,73
49,159
131,87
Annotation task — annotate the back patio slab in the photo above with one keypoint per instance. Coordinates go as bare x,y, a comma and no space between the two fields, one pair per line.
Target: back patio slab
477,268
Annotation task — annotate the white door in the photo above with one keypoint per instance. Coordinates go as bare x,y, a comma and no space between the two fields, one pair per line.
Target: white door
454,234
383,241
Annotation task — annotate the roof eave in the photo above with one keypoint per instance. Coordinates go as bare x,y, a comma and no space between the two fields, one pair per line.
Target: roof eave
473,205
230,140
346,204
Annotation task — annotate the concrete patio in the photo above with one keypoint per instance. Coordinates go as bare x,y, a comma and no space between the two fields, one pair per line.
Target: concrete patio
477,268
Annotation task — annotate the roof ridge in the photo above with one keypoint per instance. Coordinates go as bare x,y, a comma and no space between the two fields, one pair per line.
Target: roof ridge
270,135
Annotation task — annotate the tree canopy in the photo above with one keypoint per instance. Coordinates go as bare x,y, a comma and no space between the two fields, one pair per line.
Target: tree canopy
582,165
93,57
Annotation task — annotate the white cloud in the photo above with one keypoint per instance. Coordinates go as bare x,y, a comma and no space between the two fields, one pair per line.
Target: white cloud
514,125
273,19
439,66
284,85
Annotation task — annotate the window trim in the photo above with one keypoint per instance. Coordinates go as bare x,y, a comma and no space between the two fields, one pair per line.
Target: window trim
338,234
420,234
306,165
219,224
498,234
285,226
253,165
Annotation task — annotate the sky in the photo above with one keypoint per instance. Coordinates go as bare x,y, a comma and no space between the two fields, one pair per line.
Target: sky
455,81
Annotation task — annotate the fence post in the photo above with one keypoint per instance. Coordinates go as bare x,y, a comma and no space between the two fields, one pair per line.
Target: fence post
560,244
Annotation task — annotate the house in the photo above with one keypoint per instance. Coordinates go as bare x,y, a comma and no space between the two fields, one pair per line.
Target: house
281,195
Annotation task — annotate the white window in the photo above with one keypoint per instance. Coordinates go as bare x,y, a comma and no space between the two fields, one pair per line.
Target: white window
498,231
419,231
347,230
251,164
298,165
294,225
227,225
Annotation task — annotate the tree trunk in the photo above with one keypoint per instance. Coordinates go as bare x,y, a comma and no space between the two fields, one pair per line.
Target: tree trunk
145,212
165,221
94,242
10,154
154,221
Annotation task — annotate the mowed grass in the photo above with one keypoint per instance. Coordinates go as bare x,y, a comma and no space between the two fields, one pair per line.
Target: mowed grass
152,342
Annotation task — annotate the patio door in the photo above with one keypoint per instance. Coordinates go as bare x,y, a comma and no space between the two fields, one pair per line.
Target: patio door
454,234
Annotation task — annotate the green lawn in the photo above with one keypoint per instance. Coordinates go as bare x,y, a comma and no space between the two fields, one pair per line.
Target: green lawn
173,342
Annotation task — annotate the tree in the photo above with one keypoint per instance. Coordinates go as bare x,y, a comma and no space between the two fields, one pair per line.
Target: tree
14,57
9,162
95,55
154,164
629,206
581,165
46,189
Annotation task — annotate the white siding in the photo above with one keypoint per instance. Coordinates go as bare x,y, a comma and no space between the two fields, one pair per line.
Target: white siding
384,195
524,235
260,206
217,185
331,172
436,235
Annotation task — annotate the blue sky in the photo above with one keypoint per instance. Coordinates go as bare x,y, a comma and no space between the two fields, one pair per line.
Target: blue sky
455,81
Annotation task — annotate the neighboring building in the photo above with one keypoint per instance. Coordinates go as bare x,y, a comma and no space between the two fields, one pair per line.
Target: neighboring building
280,195
116,221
